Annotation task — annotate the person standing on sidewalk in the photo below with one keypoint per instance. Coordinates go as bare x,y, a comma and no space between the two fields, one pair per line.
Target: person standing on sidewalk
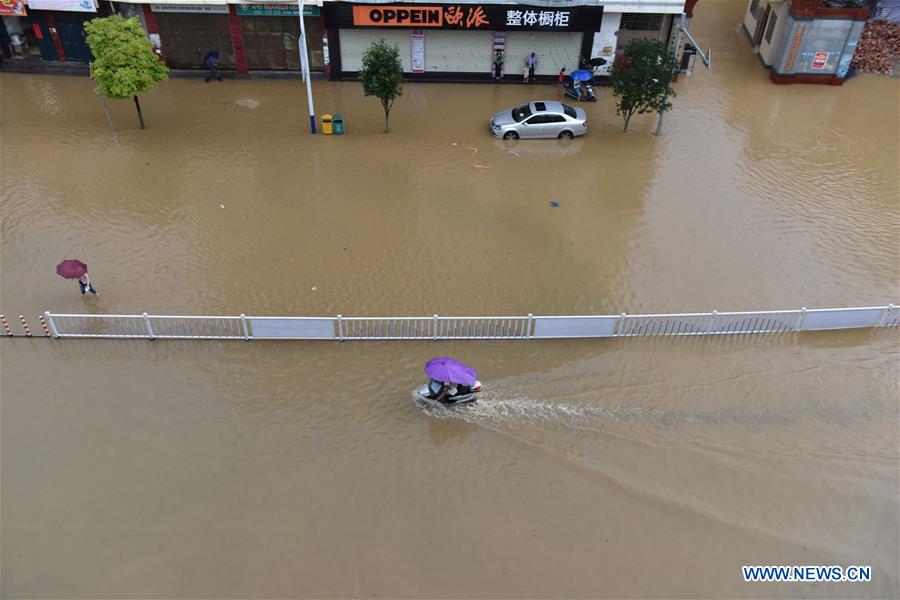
498,65
532,65
211,62
525,74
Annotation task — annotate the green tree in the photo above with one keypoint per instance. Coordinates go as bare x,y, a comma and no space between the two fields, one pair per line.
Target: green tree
382,76
641,80
124,62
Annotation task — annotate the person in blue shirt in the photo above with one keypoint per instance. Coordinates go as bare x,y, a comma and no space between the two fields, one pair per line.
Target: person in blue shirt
211,62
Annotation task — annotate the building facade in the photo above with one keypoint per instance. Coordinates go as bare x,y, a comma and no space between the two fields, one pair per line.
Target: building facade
805,41
437,40
459,41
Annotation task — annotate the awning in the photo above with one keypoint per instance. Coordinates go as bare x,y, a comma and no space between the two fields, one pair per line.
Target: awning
68,5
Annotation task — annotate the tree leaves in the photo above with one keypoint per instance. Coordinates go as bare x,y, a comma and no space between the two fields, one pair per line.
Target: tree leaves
124,62
382,75
641,80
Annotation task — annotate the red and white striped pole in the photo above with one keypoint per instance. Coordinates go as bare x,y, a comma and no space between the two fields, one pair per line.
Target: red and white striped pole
25,325
44,325
6,325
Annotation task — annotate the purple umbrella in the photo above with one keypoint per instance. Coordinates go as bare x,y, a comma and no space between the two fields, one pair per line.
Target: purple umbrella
71,269
444,368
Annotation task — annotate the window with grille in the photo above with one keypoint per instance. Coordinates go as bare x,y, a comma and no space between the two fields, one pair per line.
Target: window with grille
641,22
754,6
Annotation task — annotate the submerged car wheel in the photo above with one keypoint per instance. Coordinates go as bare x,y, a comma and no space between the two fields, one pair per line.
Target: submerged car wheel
510,135
565,135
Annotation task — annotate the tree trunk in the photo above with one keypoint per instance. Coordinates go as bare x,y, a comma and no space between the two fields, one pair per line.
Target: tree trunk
140,114
108,117
627,118
387,123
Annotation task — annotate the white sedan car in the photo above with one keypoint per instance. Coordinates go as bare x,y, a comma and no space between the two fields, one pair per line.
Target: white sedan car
539,119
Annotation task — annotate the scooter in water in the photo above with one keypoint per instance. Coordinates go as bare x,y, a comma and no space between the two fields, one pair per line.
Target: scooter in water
451,382
580,90
432,391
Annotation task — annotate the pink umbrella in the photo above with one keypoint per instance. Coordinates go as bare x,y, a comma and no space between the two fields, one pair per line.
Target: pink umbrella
71,269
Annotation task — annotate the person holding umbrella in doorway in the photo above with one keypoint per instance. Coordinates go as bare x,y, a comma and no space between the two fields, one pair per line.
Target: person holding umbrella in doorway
75,269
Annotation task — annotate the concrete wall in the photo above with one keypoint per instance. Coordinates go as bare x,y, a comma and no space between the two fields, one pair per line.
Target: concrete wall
604,45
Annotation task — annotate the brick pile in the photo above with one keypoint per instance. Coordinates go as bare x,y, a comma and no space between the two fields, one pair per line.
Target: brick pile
878,49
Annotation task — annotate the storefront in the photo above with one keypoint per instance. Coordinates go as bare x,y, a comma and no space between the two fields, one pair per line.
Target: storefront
187,32
459,41
271,33
54,29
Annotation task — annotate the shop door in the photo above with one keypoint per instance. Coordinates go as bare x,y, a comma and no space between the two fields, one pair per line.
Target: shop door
40,34
554,50
354,43
187,37
459,51
270,43
314,34
70,26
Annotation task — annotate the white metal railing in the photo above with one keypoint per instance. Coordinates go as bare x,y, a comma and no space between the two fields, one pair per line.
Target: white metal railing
466,328
433,328
148,327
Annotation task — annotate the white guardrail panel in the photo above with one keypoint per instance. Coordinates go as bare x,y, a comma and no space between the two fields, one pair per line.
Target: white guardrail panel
844,318
292,328
575,327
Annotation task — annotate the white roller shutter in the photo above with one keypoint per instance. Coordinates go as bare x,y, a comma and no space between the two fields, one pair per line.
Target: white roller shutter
458,51
354,43
554,50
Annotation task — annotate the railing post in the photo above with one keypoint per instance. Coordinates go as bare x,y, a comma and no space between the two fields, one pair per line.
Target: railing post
434,332
244,327
529,326
620,325
149,327
50,322
713,321
340,324
800,319
885,316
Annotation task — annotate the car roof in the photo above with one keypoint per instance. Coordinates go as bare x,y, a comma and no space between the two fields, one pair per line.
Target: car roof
549,106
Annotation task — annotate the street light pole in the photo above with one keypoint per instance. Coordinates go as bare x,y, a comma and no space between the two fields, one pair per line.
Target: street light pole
662,113
304,69
706,58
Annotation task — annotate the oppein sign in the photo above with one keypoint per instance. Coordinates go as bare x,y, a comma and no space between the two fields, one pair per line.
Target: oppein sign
491,17
398,16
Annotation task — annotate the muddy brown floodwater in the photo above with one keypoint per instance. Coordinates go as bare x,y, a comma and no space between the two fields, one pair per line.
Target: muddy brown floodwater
593,468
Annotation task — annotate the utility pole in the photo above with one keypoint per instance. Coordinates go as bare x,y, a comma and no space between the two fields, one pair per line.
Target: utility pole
706,58
304,70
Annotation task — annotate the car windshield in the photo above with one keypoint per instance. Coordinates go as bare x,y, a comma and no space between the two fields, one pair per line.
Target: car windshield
569,111
521,113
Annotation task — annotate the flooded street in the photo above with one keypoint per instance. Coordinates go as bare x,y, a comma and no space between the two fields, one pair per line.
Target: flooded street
590,468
